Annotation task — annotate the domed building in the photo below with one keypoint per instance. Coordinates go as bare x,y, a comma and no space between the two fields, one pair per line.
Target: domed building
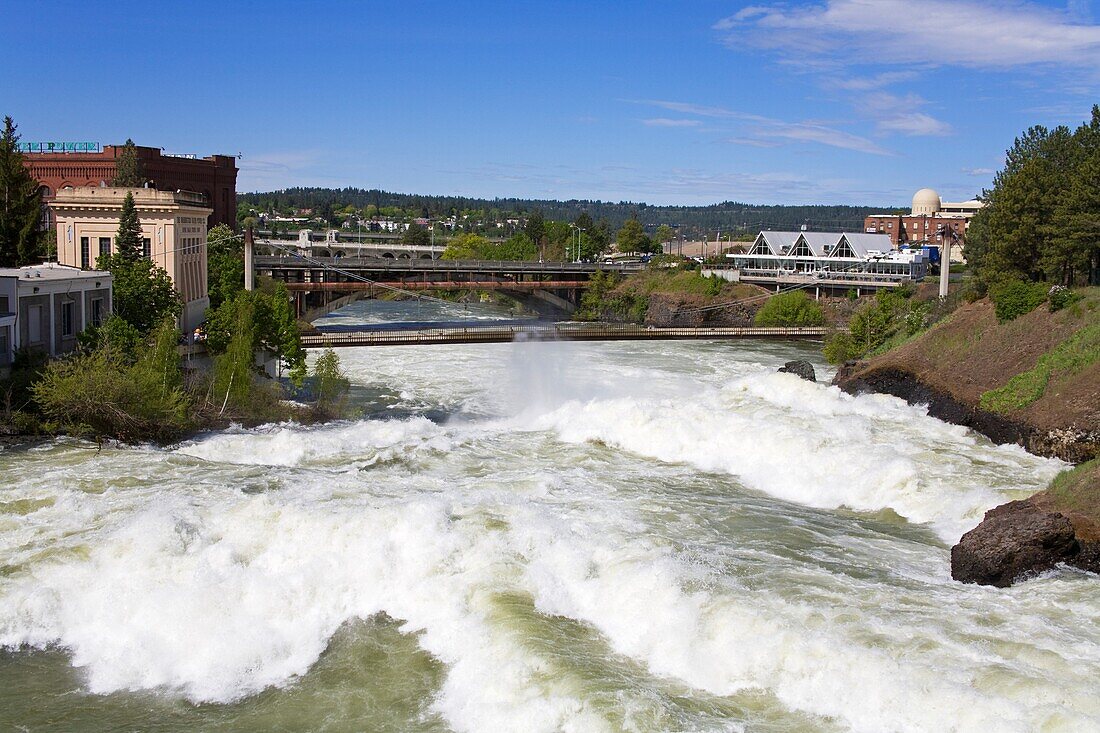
926,202
930,221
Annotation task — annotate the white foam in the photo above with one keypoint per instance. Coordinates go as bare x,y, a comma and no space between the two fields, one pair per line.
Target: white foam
292,445
811,444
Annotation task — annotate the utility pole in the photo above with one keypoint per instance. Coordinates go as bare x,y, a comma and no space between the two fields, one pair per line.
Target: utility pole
945,260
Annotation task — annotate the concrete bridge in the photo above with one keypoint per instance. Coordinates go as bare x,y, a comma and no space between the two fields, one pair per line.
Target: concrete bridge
323,284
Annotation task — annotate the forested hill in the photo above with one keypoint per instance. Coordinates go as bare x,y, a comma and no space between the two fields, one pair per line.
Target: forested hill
728,216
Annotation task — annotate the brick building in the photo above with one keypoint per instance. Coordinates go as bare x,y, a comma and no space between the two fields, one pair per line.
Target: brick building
215,176
923,225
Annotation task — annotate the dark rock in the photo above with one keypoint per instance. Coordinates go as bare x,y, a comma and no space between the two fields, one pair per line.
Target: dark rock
1014,541
801,368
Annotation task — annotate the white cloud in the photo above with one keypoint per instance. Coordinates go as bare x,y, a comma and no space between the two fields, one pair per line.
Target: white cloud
666,122
973,33
978,171
769,132
802,132
914,124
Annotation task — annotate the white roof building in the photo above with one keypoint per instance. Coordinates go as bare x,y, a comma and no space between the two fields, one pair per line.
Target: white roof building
44,307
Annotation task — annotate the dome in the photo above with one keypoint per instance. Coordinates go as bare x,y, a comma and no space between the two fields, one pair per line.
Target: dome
926,201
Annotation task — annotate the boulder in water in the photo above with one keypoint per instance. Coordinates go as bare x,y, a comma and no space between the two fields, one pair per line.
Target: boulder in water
1014,541
801,368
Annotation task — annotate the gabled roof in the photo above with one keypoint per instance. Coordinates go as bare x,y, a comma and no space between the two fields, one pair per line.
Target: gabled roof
778,242
819,243
863,244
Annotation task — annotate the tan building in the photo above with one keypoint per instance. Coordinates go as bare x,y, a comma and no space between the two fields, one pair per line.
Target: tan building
930,219
173,227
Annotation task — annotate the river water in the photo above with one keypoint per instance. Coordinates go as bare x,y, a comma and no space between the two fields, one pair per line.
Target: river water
628,536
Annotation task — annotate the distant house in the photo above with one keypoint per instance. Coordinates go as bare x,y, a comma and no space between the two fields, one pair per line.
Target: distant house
44,307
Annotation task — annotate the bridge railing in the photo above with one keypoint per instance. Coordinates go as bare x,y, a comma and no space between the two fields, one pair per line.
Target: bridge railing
563,332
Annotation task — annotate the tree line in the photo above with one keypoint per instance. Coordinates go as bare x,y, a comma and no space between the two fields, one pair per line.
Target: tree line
336,204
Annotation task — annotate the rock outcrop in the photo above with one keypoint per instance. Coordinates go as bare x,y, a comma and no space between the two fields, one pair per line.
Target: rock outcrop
1014,541
801,368
1070,443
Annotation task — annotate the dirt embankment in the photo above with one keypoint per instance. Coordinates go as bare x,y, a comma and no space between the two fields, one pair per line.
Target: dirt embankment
970,354
1034,381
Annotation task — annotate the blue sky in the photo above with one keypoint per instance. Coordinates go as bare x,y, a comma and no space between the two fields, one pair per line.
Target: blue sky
830,101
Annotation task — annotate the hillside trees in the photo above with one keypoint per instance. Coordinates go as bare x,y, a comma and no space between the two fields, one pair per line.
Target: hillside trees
20,204
1042,218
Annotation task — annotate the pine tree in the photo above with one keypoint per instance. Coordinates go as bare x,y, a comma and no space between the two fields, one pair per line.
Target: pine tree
128,168
128,241
20,204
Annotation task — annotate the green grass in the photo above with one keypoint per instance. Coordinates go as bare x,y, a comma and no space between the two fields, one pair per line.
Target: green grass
1079,351
1077,490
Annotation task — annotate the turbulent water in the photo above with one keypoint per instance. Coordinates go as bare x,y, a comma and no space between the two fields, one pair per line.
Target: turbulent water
538,537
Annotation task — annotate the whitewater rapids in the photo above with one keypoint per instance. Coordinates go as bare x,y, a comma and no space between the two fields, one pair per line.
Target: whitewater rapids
539,537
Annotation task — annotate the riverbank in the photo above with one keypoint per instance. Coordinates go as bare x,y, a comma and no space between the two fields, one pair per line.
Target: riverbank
1033,381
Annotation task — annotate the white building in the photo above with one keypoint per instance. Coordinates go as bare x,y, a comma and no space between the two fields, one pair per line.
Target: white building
44,307
827,261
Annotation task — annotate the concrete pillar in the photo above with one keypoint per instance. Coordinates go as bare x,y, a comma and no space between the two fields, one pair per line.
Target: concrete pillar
53,343
249,275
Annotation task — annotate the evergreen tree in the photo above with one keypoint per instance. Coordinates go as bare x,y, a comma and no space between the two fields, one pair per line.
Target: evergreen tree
128,239
128,169
20,204
143,292
631,238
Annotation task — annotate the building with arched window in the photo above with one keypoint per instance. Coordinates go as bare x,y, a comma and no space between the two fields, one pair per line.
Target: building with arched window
215,176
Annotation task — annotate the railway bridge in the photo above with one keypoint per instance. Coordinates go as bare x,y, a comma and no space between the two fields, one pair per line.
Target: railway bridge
322,284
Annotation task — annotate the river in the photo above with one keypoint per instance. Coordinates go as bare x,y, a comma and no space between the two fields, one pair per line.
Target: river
630,536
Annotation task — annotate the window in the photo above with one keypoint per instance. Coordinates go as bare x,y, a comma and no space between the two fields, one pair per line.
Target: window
4,304
146,247
4,345
67,321
104,246
85,253
97,311
34,324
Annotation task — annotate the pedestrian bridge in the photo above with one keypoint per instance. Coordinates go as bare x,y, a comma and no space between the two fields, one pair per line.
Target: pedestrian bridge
571,331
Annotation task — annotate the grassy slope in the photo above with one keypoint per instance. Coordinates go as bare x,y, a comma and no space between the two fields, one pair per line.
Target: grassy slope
1042,368
1076,493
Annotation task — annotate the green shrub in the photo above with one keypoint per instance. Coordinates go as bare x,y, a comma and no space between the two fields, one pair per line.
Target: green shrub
839,348
100,395
1016,298
790,309
1061,297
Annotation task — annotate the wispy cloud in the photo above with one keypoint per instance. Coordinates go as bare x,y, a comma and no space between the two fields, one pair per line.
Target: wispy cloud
971,33
802,132
978,171
666,122
760,131
914,124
